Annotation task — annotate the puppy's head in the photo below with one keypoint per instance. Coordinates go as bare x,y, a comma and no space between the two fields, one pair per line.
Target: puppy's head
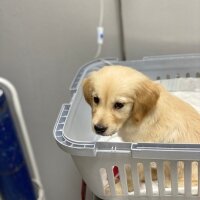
117,94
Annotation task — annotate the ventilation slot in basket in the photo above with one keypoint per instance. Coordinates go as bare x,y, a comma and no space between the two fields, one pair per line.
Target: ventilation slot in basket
154,175
142,183
153,186
167,177
129,178
111,180
181,177
194,178
167,76
105,183
198,74
152,178
117,172
187,75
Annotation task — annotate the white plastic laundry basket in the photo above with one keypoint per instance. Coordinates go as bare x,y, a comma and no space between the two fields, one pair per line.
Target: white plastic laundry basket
74,135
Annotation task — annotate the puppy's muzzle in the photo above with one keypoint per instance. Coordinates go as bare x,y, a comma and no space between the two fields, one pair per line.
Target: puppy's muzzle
100,129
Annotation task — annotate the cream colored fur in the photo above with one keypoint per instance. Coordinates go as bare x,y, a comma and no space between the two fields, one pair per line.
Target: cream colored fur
149,113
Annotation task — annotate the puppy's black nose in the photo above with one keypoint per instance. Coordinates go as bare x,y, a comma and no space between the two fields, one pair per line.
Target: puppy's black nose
100,129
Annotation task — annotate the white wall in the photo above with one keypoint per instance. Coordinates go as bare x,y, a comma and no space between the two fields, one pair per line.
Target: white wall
42,45
157,27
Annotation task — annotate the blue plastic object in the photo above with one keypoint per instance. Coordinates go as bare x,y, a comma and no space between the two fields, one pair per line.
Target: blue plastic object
15,180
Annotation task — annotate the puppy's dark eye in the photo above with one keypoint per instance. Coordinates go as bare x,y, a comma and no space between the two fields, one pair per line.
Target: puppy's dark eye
118,105
96,100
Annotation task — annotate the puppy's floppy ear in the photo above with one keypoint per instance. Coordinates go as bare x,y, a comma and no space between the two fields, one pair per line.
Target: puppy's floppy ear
146,96
87,89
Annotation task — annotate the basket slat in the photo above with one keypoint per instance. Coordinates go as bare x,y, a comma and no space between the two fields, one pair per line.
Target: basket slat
174,180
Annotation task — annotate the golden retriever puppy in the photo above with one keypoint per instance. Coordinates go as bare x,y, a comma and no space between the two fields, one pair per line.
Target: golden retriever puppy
126,101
